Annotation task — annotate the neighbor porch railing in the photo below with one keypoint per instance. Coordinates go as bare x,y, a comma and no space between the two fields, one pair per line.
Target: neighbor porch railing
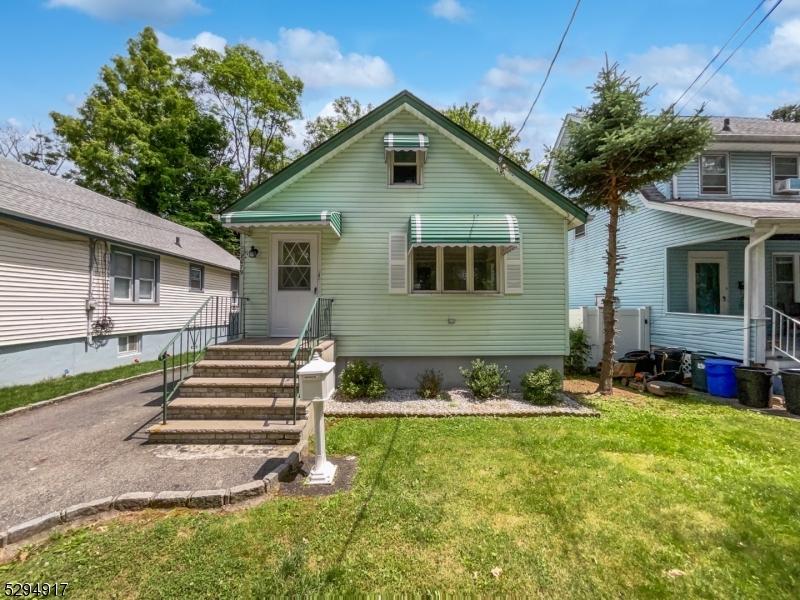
784,333
317,328
218,319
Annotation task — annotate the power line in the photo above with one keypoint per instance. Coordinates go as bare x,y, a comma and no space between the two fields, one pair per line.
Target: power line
549,68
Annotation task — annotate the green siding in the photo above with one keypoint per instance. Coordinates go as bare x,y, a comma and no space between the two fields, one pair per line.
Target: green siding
354,268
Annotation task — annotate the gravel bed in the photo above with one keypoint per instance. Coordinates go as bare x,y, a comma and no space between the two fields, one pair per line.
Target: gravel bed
406,402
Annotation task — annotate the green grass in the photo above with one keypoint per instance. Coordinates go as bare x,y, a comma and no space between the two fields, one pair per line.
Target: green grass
21,395
565,506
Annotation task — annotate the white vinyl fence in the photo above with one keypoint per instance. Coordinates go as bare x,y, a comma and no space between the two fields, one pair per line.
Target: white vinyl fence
633,330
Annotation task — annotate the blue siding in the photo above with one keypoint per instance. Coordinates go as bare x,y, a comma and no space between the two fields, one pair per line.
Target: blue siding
750,178
645,234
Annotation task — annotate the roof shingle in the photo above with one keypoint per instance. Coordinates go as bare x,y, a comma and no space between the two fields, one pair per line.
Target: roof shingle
38,197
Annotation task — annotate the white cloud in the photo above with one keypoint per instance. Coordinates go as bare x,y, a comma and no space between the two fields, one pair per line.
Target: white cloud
782,52
673,68
318,60
156,10
179,47
511,71
452,10
15,123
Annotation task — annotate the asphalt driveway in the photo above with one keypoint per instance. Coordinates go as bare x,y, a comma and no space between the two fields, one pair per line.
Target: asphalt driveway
94,446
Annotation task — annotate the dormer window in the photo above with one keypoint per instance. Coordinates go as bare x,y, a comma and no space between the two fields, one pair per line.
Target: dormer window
405,156
783,167
714,174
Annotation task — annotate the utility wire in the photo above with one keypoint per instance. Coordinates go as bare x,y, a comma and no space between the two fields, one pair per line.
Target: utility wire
549,69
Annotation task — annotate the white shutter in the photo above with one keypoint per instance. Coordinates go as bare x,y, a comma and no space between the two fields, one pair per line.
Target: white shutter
513,270
397,263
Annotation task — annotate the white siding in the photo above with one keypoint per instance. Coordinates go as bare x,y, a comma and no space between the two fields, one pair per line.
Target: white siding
44,283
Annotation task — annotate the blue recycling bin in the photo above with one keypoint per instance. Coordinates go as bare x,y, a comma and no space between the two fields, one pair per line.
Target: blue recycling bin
721,377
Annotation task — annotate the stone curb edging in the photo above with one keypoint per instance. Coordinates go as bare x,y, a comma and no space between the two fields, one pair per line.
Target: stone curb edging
420,414
132,501
71,395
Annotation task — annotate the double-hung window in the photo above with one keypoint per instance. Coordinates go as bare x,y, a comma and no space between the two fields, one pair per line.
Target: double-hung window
784,166
714,174
134,277
455,269
405,168
196,277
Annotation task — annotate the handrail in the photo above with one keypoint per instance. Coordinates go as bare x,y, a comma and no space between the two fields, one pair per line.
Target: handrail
784,331
217,318
316,329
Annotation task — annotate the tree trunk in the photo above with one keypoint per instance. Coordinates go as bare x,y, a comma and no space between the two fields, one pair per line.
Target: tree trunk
609,311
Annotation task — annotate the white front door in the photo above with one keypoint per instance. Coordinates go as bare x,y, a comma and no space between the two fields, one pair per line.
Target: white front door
293,282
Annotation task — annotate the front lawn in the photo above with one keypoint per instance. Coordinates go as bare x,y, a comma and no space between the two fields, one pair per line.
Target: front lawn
22,395
656,497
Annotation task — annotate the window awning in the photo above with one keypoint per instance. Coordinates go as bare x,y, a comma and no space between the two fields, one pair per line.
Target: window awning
463,230
258,218
405,141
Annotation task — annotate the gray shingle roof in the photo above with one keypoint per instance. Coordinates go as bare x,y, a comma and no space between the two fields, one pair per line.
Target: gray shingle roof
753,126
36,196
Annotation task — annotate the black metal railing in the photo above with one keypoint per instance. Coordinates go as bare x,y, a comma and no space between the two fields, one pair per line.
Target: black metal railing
317,328
219,319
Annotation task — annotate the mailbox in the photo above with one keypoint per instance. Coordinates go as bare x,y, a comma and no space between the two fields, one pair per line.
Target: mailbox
317,384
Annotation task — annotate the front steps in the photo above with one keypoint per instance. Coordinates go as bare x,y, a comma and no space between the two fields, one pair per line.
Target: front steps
238,394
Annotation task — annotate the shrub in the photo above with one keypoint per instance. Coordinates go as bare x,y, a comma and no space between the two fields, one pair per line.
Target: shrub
575,363
541,386
360,379
429,384
485,379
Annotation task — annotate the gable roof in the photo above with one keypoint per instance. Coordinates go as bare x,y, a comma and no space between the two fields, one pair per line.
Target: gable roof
405,97
36,197
752,126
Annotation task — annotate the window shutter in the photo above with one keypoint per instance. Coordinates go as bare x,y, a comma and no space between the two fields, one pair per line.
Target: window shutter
397,263
513,270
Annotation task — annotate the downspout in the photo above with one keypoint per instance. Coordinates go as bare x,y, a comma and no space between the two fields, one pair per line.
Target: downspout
747,251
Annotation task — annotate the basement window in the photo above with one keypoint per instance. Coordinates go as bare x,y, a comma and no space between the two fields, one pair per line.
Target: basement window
129,344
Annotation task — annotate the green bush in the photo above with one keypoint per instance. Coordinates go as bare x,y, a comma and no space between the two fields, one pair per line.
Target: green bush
429,384
360,379
541,386
575,363
485,379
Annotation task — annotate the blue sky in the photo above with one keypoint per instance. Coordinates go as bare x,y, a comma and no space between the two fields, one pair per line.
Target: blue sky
445,51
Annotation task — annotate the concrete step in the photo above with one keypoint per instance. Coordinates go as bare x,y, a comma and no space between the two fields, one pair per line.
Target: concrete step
238,387
234,408
243,368
249,352
228,432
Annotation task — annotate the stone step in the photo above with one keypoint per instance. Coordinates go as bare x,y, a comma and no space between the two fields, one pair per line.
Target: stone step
249,352
243,368
238,387
234,408
228,432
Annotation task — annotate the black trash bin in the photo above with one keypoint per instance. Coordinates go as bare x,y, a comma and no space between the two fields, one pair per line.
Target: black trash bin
699,369
791,389
754,385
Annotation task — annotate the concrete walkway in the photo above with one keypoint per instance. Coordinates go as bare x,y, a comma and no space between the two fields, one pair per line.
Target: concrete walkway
94,446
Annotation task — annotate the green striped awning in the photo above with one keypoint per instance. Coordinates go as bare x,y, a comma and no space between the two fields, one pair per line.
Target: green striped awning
463,230
405,141
259,218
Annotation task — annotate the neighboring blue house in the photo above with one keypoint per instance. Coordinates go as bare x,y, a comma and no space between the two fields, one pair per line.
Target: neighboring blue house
687,242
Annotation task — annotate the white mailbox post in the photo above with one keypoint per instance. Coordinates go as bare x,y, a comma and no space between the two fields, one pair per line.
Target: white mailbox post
317,384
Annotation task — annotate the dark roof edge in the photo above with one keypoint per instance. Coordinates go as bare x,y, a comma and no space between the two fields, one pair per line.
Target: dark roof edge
437,117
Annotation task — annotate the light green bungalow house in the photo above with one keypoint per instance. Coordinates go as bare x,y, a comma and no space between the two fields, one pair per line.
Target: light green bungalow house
433,248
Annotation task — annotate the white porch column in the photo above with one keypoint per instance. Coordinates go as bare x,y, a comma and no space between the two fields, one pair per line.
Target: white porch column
755,290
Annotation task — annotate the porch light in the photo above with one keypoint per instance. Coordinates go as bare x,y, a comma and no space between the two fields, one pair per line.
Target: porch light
253,252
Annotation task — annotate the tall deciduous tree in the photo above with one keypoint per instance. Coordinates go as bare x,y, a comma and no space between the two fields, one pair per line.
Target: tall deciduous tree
501,137
35,148
788,112
140,136
612,151
255,100
346,111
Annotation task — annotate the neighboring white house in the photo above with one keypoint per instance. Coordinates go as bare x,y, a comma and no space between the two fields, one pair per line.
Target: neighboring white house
88,282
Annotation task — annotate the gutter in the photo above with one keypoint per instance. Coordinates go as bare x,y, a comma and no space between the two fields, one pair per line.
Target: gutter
747,309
